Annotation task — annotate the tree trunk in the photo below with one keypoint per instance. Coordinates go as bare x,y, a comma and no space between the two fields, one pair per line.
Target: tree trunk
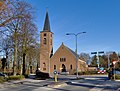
15,54
24,68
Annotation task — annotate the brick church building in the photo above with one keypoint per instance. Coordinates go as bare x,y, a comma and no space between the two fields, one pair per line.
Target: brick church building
63,60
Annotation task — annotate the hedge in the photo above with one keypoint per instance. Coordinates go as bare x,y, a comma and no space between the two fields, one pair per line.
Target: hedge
17,77
117,76
2,79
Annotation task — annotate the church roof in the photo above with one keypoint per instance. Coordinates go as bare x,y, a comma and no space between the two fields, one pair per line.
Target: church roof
74,53
46,27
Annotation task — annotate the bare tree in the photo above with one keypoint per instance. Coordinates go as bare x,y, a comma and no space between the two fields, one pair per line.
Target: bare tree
85,57
21,29
6,12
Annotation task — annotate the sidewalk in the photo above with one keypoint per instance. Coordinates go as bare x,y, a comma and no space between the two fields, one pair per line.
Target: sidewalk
48,82
13,83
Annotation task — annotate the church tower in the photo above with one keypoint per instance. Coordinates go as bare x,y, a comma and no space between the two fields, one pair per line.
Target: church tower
46,46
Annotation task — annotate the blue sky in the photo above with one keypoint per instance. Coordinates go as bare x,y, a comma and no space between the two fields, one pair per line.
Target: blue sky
99,18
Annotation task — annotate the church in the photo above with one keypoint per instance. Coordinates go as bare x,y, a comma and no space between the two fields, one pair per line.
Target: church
63,60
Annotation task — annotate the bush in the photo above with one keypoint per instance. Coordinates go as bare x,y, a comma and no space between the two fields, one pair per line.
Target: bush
26,76
42,75
2,79
18,77
117,76
87,73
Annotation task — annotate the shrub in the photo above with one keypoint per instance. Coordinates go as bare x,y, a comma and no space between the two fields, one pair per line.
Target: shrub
18,77
2,79
117,76
87,73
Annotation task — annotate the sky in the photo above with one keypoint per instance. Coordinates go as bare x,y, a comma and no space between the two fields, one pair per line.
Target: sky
100,19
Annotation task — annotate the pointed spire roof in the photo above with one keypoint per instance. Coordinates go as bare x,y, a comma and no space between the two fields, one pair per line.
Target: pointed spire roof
46,23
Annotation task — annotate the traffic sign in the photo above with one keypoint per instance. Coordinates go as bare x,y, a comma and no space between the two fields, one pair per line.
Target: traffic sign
100,52
93,52
55,72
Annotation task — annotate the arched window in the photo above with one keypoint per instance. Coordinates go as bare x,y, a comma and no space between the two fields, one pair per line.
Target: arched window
71,66
44,41
54,67
44,66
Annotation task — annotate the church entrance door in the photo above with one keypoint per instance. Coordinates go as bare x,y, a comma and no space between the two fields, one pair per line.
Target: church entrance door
63,68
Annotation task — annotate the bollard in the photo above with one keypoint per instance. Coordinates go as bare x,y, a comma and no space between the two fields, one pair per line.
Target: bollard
55,77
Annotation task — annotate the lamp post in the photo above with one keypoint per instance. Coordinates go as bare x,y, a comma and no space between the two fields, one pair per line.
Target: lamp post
76,49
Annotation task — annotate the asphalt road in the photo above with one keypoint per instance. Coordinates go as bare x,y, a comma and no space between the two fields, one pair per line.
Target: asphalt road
87,83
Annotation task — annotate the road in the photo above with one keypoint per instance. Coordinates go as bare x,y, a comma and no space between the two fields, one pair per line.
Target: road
86,83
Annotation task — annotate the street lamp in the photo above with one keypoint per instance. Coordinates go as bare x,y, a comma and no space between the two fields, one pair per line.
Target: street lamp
76,49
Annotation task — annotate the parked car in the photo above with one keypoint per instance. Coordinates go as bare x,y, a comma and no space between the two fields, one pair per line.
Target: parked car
111,73
3,75
64,73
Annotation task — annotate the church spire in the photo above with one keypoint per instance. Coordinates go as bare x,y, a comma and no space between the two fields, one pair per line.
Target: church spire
46,23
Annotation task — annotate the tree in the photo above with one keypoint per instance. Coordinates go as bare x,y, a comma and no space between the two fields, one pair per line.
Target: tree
94,61
85,57
6,15
3,63
6,47
28,33
22,30
115,57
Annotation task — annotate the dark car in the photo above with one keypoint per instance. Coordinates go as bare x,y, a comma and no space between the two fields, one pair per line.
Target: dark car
3,75
111,73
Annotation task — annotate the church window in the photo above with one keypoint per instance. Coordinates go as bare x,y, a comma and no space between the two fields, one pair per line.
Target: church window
44,41
54,67
44,66
45,34
71,66
62,59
